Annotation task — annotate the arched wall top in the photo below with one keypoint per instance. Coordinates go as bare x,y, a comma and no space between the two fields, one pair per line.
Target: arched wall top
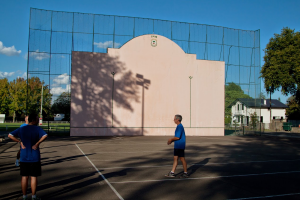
158,38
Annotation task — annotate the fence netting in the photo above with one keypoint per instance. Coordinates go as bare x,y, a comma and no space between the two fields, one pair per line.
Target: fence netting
53,35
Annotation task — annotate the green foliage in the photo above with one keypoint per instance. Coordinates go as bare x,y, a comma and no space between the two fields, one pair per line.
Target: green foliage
254,119
282,64
13,97
34,96
4,96
17,96
293,110
63,105
232,92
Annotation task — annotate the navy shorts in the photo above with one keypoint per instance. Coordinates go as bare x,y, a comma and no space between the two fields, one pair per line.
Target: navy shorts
30,169
179,152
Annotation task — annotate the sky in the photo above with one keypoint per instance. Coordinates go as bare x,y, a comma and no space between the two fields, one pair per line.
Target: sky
270,16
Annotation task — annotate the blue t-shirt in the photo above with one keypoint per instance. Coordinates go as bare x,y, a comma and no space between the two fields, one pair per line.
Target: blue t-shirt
29,136
23,125
179,132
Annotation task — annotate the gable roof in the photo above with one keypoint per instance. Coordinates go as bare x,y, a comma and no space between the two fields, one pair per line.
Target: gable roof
259,103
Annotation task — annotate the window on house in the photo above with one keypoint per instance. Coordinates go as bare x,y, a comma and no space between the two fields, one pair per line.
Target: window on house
238,106
242,106
261,119
238,118
242,119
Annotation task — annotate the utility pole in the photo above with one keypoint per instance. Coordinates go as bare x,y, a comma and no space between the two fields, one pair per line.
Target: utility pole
270,109
41,115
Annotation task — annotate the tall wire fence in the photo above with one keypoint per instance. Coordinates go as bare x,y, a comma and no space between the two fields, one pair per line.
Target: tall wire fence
53,35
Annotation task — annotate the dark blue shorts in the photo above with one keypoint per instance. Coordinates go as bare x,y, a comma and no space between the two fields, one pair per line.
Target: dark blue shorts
179,152
30,169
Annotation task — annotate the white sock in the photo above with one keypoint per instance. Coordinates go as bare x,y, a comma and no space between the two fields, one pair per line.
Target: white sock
172,172
33,196
24,196
185,172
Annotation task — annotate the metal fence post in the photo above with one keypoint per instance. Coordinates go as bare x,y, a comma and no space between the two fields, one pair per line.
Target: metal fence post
243,130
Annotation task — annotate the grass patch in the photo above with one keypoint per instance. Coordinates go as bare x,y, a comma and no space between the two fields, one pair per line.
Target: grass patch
54,129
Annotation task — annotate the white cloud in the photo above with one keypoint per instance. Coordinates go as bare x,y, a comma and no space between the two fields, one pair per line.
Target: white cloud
24,75
61,79
59,90
6,74
9,51
104,45
26,56
39,55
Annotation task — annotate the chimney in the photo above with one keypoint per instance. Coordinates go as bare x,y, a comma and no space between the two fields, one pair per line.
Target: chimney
265,102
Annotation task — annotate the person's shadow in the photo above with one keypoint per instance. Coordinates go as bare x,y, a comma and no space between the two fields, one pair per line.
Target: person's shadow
193,168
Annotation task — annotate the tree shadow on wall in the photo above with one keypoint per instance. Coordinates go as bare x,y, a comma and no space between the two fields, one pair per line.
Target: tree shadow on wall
100,84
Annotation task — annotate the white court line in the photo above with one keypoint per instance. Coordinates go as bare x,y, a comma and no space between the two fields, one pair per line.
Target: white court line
132,151
140,143
115,191
270,196
189,151
171,150
122,157
228,163
210,177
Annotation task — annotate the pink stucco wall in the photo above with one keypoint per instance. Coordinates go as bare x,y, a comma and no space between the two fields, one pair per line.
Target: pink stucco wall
151,84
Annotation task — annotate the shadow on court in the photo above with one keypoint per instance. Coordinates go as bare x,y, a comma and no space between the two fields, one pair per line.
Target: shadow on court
219,168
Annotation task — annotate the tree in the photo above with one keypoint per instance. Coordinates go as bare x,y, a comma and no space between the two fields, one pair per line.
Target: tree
293,110
17,96
4,96
232,92
34,96
254,120
282,64
63,105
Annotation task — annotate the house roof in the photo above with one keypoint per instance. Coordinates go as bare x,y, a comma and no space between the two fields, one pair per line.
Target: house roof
259,103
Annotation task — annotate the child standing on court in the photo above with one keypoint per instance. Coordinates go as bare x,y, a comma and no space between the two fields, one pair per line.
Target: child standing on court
31,136
179,147
17,163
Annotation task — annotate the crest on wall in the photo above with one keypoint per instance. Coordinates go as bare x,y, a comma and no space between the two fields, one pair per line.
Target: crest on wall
154,40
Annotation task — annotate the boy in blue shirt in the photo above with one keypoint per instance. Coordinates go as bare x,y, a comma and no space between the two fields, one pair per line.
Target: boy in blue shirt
18,154
30,138
179,146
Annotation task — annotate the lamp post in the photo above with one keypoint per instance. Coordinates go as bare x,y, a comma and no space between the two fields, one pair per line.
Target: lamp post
41,115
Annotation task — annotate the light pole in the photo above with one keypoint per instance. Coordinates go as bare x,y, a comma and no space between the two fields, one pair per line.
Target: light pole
41,115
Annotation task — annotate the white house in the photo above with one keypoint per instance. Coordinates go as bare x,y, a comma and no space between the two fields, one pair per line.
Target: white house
243,108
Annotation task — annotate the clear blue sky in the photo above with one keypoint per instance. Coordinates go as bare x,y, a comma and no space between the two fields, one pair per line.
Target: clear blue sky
270,16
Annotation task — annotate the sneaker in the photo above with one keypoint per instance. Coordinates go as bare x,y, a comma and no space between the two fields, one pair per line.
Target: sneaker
17,163
170,174
36,198
185,175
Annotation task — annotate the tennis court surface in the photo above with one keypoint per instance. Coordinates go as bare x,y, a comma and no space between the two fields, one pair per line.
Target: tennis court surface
231,167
